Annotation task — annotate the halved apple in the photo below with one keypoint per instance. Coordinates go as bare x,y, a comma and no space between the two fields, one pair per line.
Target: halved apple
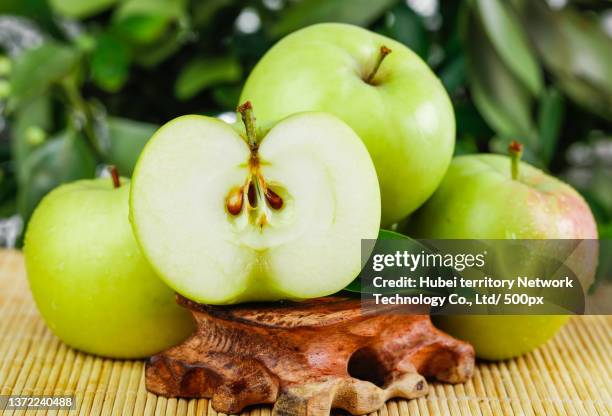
226,216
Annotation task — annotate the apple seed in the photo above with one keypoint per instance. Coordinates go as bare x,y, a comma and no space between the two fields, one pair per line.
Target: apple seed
234,201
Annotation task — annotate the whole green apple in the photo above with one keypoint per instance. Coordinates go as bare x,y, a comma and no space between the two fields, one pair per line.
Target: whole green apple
380,88
227,216
488,196
90,282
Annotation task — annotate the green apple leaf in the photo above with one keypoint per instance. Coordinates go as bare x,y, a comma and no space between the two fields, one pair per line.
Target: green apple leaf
79,9
509,40
141,28
61,159
171,9
504,102
576,50
110,63
32,114
127,139
36,69
550,120
143,22
201,74
308,12
355,285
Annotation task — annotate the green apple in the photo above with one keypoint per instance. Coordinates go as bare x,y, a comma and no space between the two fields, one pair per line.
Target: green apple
380,88
488,196
227,217
89,279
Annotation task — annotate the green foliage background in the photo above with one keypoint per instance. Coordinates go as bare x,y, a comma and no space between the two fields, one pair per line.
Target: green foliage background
85,82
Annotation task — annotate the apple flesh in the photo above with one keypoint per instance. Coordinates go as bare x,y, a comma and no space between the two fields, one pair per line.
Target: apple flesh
227,217
380,88
480,199
91,284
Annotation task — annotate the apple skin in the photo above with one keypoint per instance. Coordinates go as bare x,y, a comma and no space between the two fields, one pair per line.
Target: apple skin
89,279
478,199
405,119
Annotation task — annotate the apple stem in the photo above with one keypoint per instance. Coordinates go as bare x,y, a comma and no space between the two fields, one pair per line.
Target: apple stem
384,51
114,172
248,118
515,149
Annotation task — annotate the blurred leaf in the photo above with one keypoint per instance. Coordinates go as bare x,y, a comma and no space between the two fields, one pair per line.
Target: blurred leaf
203,11
508,38
79,9
469,121
404,25
36,69
204,73
155,53
576,50
465,146
308,12
127,138
453,75
62,159
141,28
110,63
33,113
170,9
605,231
550,119
144,21
503,101
227,96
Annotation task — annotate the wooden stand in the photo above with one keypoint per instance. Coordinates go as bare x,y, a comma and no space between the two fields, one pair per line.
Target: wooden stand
307,357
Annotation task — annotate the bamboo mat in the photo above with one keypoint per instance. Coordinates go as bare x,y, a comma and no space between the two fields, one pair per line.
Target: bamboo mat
570,375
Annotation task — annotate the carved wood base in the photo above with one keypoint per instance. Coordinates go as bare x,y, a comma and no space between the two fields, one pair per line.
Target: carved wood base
307,357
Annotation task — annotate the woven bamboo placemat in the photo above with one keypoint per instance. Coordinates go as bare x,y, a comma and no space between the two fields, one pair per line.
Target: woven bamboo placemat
570,375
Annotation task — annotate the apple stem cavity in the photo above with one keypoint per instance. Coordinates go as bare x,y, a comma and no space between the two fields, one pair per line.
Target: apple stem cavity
114,172
248,118
515,150
255,192
383,52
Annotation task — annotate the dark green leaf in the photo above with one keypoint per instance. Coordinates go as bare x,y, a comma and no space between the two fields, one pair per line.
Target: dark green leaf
508,38
141,28
79,9
204,11
453,75
466,145
227,96
62,159
127,138
110,63
204,73
550,119
36,69
308,12
355,285
501,98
